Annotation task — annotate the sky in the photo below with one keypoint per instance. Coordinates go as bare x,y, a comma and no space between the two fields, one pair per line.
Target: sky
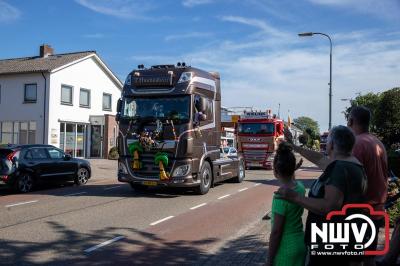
253,44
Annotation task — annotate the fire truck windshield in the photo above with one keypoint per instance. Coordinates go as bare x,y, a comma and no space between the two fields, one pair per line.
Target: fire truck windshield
171,108
256,128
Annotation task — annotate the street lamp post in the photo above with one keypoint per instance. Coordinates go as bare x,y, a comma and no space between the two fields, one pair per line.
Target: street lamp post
308,34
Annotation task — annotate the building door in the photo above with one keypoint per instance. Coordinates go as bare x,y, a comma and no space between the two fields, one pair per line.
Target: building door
96,139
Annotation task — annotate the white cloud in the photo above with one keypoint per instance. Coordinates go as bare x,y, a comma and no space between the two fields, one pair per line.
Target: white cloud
190,35
192,3
389,9
8,12
127,9
94,36
257,23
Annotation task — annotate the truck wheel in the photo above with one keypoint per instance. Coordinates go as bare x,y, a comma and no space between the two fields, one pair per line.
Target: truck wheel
241,172
138,187
205,179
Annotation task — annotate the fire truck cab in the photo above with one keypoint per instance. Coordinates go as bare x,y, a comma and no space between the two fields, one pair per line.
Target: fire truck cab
258,135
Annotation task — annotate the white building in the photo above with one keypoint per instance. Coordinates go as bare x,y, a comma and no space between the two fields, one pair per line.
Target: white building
66,100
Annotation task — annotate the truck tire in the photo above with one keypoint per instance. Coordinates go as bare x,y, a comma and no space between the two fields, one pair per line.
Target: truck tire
241,174
205,179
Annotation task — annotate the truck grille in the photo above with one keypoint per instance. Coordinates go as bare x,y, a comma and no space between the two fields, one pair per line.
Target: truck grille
149,169
255,155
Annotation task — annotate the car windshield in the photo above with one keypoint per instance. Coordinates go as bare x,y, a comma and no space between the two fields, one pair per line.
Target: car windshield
256,128
175,108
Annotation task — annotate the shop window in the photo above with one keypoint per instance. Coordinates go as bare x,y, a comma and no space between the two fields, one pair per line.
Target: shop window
7,132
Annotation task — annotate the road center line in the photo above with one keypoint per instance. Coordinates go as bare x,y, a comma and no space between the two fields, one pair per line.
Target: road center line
198,206
162,220
243,189
104,244
21,203
224,196
75,194
113,187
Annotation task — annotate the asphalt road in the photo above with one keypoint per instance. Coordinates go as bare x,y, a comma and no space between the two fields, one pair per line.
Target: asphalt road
106,222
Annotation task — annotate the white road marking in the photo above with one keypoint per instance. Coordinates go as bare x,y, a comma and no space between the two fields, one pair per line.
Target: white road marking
162,220
75,194
243,189
104,244
112,187
257,184
198,206
224,196
21,203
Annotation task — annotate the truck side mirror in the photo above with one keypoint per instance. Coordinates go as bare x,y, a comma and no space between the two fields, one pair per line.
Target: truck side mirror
119,105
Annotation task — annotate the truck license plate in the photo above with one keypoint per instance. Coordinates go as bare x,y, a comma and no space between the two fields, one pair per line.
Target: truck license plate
150,183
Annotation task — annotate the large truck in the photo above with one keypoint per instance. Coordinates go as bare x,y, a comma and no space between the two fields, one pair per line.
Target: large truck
258,135
169,119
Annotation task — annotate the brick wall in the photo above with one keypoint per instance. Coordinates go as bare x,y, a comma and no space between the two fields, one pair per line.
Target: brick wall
110,134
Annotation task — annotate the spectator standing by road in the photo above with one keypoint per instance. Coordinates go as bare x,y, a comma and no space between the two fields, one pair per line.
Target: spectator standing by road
342,182
286,244
370,151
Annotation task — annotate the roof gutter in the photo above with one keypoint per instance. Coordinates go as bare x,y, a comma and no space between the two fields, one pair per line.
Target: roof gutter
44,108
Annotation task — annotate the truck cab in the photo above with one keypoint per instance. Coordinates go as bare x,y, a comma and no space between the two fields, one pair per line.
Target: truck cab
169,129
259,134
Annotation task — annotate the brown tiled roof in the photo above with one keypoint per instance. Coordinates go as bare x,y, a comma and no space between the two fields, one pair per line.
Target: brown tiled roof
39,64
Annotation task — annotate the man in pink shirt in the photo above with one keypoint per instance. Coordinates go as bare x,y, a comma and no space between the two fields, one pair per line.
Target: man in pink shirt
370,151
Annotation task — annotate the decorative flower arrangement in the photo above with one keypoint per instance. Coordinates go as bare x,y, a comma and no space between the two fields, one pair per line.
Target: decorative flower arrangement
147,140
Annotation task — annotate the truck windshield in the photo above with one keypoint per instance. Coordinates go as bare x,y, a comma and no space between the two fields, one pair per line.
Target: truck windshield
256,128
168,108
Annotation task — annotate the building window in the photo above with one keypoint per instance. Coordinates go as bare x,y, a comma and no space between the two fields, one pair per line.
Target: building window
66,94
30,94
84,98
18,132
106,102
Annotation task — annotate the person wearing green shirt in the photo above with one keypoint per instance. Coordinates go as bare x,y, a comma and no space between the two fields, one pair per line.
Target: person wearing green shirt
286,243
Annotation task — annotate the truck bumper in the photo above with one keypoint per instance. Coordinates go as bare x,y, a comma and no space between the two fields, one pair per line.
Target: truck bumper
187,181
126,175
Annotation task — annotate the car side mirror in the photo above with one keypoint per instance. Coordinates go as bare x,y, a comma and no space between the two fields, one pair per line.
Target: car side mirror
67,157
14,160
117,117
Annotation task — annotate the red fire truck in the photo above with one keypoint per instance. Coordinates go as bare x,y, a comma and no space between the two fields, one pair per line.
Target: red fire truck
258,135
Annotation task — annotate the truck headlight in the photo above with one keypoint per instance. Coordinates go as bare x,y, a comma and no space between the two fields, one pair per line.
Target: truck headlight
122,168
185,76
182,170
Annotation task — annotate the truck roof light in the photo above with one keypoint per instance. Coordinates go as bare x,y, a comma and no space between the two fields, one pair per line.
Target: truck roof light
183,64
178,64
185,77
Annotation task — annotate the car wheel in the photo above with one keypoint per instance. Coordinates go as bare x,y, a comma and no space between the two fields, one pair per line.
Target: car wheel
205,179
138,187
241,172
24,183
82,176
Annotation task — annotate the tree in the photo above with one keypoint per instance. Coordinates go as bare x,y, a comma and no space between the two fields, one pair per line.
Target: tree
369,100
387,117
304,123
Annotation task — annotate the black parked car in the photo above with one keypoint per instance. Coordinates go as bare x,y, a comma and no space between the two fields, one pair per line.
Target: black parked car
24,166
